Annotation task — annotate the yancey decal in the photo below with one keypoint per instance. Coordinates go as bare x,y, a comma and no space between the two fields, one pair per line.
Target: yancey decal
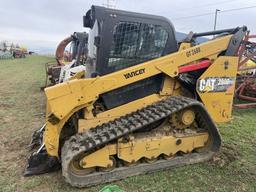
215,84
134,73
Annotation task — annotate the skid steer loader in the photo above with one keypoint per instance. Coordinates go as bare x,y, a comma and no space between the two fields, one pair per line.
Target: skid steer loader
147,102
67,66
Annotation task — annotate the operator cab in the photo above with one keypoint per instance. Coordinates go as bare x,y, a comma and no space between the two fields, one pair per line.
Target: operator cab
120,39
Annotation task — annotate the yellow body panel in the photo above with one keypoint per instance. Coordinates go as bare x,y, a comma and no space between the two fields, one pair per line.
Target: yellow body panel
67,98
149,147
83,91
153,147
248,68
216,88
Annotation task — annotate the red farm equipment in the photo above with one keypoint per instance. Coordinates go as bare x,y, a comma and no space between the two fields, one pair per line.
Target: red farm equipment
246,80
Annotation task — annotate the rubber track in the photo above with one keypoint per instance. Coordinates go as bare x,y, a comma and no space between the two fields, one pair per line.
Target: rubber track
94,138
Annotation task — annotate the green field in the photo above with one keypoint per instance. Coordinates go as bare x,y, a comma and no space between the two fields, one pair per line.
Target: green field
22,107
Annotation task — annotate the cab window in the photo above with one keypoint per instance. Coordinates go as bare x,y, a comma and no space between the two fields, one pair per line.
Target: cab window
134,43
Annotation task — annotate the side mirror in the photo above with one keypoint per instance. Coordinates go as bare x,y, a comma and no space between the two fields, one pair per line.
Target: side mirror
87,19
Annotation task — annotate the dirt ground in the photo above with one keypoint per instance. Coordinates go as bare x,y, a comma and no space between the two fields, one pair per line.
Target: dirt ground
22,107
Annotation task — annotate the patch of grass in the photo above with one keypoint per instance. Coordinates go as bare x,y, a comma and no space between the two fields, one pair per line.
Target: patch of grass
22,107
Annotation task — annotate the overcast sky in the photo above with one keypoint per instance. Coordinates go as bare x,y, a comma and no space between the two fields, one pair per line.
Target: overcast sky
41,24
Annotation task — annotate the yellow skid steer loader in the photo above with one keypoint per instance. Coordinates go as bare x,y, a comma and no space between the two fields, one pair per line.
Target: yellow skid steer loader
147,102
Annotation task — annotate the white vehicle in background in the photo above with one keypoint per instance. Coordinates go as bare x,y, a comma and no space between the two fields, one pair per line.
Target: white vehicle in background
69,70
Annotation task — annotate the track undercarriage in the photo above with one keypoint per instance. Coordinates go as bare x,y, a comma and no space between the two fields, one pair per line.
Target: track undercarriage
172,132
